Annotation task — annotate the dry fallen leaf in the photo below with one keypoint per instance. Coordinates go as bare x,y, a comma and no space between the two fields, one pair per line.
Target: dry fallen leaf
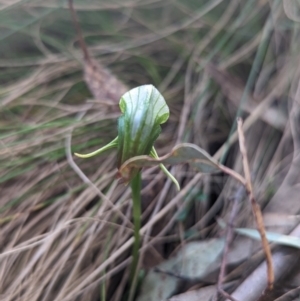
193,261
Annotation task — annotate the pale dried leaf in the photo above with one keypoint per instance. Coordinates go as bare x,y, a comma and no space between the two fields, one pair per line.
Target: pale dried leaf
292,9
103,85
281,239
181,153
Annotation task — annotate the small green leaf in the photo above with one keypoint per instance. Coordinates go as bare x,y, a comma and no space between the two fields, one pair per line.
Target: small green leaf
144,109
181,153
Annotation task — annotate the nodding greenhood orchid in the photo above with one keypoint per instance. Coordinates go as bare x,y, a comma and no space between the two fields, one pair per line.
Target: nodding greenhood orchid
143,109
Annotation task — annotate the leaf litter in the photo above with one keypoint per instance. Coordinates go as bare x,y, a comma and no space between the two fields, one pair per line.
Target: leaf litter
192,262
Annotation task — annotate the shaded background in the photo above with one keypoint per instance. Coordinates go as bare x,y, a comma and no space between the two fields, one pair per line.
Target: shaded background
65,223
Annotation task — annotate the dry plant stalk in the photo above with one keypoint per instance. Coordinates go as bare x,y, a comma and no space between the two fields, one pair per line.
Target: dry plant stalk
103,85
255,207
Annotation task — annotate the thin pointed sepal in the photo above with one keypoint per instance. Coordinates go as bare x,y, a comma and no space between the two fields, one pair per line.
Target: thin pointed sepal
112,144
154,155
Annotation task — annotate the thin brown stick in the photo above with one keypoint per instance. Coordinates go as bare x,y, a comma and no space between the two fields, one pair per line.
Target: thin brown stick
233,173
255,207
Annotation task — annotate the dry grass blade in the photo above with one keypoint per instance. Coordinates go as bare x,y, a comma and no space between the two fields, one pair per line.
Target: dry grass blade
233,89
228,241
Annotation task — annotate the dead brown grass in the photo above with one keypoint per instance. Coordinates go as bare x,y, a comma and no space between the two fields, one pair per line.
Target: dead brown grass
65,223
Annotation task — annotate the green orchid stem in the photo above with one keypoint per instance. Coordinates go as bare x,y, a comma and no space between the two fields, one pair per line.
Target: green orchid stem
136,199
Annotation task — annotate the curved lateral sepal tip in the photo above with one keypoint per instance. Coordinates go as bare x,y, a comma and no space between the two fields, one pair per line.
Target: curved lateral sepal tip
154,155
112,144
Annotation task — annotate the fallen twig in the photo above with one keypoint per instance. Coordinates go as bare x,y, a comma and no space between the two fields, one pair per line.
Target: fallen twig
255,207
